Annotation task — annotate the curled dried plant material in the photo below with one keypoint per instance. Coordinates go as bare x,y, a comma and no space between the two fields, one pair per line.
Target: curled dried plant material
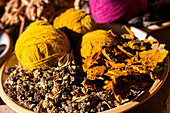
131,34
91,60
96,71
115,65
136,70
124,51
152,57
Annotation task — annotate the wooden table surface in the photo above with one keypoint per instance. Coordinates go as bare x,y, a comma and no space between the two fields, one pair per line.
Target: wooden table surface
159,103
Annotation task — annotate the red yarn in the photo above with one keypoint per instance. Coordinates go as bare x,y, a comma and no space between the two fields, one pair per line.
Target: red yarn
107,11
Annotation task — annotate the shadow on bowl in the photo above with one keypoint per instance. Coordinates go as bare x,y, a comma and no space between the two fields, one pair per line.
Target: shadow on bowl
6,46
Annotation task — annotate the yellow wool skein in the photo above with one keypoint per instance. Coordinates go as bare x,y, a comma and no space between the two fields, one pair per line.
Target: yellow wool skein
75,20
38,23
93,41
41,46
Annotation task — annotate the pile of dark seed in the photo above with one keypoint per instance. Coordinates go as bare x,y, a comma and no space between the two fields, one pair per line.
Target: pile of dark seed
55,90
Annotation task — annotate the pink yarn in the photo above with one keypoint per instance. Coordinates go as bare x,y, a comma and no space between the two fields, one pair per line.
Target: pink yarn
107,11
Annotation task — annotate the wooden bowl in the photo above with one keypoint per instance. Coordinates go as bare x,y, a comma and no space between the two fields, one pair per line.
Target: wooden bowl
8,46
142,97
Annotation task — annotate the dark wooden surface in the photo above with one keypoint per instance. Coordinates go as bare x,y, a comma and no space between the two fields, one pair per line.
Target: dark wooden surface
159,103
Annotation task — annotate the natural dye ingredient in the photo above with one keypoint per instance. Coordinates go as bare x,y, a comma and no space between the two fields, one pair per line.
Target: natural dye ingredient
125,68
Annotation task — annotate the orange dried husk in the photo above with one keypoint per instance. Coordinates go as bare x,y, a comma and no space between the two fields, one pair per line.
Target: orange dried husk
115,65
124,51
91,60
131,33
96,71
117,72
109,85
152,57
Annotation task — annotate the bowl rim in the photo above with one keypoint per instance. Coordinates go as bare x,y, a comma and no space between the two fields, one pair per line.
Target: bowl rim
141,98
5,97
6,53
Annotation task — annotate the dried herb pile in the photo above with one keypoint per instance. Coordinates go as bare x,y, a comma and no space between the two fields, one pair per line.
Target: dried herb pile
54,90
110,77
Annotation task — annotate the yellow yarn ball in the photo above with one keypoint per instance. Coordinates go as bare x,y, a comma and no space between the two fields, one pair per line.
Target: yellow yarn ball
75,20
38,23
41,46
93,41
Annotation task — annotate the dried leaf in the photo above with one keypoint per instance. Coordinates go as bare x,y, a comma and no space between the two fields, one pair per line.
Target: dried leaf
130,32
89,84
151,41
105,54
124,51
115,65
118,39
109,85
95,72
136,45
152,57
91,60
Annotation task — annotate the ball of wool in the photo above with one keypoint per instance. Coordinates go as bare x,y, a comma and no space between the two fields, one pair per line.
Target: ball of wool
75,20
107,11
93,41
41,46
38,23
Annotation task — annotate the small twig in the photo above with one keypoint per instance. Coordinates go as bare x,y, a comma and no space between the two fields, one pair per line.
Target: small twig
27,10
18,11
107,104
22,25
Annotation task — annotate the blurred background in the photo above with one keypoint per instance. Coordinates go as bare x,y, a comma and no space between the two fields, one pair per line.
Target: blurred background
150,15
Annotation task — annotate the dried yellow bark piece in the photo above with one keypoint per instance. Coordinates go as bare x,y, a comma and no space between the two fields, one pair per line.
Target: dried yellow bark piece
152,57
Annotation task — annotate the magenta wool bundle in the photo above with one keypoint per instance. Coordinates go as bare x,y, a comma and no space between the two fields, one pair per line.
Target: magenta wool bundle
107,11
